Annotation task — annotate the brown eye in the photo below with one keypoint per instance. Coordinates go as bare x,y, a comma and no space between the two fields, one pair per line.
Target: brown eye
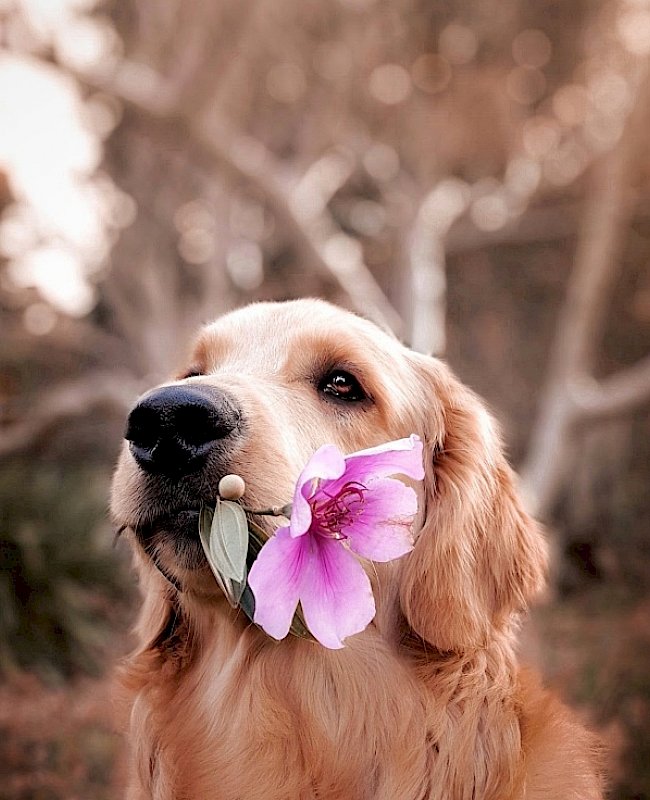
341,385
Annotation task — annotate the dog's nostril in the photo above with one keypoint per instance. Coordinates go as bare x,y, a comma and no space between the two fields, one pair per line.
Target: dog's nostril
143,427
173,429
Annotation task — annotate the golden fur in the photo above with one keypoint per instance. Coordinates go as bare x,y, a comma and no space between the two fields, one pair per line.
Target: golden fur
428,703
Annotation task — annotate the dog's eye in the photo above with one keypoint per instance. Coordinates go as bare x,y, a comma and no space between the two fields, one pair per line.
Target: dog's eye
341,385
192,372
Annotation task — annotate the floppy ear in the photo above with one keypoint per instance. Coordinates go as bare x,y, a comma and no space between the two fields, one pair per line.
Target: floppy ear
478,557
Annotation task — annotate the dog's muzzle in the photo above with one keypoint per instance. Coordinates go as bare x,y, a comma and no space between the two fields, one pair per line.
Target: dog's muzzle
173,430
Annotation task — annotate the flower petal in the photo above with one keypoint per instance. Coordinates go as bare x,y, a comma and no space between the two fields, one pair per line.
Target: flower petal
336,596
327,463
382,531
403,457
275,580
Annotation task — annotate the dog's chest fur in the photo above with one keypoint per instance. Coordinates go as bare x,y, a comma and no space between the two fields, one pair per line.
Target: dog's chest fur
268,721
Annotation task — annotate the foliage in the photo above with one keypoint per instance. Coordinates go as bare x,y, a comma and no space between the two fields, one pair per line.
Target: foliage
63,590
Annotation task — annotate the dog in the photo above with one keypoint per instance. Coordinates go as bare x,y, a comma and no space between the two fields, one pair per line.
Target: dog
428,702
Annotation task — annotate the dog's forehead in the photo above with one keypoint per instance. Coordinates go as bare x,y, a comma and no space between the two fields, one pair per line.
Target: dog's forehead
270,333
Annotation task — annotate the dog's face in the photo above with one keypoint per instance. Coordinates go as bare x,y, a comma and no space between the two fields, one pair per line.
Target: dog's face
265,387
269,384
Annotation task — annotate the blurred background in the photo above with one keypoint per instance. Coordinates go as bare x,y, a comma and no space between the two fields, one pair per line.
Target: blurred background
474,174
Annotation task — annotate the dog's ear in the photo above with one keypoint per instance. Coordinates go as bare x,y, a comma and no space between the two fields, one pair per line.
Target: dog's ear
478,556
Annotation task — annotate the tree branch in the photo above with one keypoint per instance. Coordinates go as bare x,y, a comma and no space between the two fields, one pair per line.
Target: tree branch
342,253
247,160
112,391
597,262
536,224
618,394
441,207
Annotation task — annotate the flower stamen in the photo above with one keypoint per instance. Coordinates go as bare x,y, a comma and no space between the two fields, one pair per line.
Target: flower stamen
339,510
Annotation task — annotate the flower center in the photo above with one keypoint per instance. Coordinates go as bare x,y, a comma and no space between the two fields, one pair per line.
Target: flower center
334,512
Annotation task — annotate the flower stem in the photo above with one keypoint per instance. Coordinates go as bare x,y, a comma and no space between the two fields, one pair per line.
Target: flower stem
274,511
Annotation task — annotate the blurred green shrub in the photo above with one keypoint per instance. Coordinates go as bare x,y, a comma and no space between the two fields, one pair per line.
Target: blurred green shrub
63,587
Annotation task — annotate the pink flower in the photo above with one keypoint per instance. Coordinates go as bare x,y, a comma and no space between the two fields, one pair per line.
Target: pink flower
341,505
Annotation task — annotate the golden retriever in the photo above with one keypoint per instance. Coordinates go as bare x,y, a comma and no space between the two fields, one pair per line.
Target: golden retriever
428,702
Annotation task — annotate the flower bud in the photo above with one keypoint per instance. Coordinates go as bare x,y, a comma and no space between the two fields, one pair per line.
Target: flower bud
231,487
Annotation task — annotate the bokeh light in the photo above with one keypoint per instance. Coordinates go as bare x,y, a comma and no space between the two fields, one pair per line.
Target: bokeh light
381,162
570,104
532,48
633,26
245,265
39,319
390,84
457,43
540,134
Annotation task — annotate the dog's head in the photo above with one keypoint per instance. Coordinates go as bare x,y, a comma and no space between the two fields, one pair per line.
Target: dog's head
269,384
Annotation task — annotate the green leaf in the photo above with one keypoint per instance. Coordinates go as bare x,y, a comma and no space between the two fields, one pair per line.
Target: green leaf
206,516
247,603
238,588
229,539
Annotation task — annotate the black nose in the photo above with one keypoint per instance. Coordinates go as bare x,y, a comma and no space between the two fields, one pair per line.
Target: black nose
172,430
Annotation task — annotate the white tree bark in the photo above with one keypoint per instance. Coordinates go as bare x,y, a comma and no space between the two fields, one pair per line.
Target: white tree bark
441,207
572,395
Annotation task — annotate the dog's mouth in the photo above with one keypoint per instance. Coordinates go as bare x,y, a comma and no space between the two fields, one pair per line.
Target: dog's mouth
171,542
180,526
